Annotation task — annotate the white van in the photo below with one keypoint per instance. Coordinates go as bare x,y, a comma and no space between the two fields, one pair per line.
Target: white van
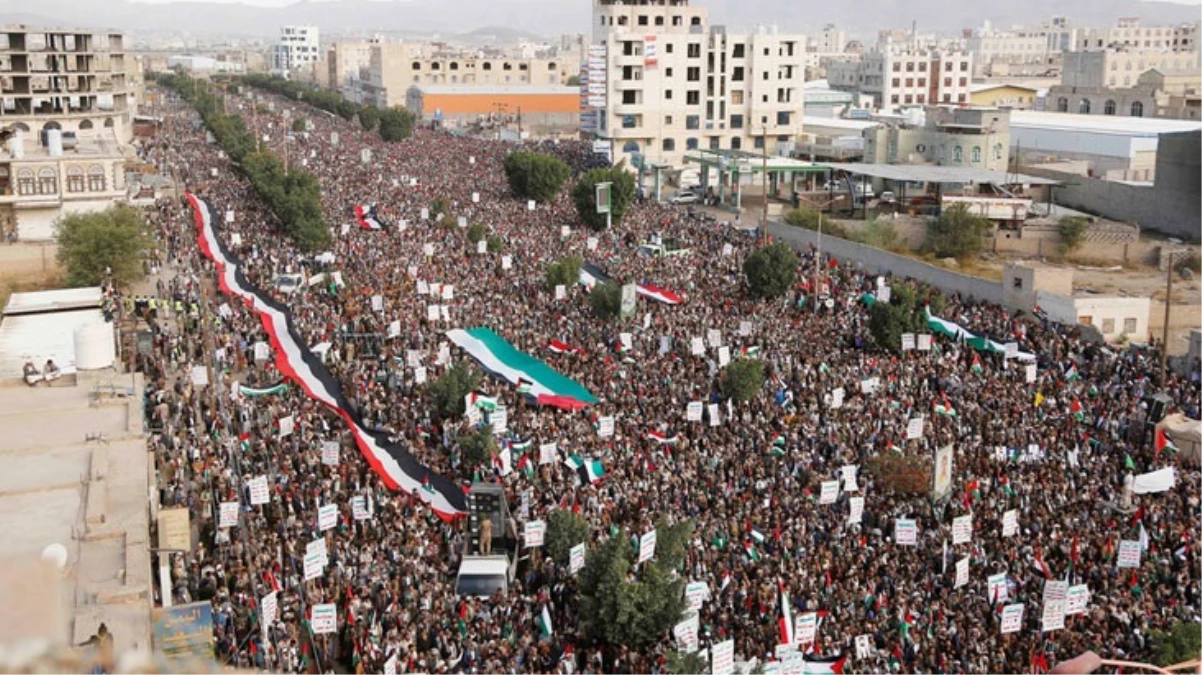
484,576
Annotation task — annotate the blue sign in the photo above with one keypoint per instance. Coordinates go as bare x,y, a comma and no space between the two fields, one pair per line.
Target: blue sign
185,631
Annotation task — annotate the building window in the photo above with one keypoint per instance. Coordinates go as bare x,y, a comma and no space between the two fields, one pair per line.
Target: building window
1129,326
667,120
25,182
1107,326
629,97
715,143
1109,107
692,122
690,144
1086,320
947,81
630,147
997,151
894,98
1062,104
736,121
669,144
964,82
782,118
692,98
758,142
47,182
738,51
75,179
487,65
897,67
694,74
1137,109
963,66
85,125
642,19
454,65
1083,106
909,98
897,81
909,82
957,154
694,50
629,122
736,75
976,154
962,98
96,178
736,143
667,72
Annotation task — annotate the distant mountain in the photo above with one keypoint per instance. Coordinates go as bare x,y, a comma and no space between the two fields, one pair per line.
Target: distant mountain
507,20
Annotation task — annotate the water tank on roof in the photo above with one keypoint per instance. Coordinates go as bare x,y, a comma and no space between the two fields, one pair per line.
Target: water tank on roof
54,142
915,117
70,140
94,346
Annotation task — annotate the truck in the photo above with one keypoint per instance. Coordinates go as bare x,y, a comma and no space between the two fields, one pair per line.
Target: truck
483,574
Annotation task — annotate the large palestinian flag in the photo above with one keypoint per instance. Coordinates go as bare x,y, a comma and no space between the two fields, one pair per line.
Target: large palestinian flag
505,361
959,333
366,215
392,461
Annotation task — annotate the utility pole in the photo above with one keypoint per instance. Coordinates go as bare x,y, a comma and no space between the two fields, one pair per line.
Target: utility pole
1168,305
764,158
519,125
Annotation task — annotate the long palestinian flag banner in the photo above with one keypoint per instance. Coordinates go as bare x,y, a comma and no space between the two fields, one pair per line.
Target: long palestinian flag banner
391,461
959,333
505,361
251,392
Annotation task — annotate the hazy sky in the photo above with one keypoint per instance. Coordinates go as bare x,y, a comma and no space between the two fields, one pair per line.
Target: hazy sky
281,3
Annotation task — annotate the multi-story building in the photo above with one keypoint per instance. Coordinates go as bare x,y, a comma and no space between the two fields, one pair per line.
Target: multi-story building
298,48
395,67
830,43
1020,51
1131,36
66,100
967,137
674,84
340,63
899,76
1121,68
1143,83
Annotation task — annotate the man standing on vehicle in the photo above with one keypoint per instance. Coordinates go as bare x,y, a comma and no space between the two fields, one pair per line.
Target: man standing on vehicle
486,536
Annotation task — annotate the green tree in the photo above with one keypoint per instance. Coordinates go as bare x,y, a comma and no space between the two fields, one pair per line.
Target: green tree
1179,644
886,323
346,109
298,125
533,175
564,530
743,379
116,238
438,206
622,191
478,447
573,81
476,232
686,663
606,300
770,271
565,272
396,124
368,116
803,217
447,392
634,610
495,244
1072,232
957,232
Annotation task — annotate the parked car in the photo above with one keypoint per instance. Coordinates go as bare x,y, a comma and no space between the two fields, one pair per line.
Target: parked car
684,198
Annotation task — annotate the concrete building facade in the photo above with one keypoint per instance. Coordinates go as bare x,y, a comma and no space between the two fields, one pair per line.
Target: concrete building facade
900,76
1130,34
1029,51
67,101
674,84
299,47
966,137
1117,69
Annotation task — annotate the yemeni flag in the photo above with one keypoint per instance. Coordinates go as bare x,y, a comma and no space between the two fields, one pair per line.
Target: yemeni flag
562,347
824,665
544,623
661,437
1163,442
749,352
478,400
590,471
976,363
504,361
366,215
1077,410
785,620
251,392
659,294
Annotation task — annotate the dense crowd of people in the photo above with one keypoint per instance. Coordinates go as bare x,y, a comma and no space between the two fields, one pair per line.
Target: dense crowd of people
756,472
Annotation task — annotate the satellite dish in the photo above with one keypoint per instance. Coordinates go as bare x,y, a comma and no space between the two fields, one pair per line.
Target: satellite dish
56,555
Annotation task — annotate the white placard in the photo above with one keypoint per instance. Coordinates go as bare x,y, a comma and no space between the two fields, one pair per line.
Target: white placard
907,341
499,419
962,572
199,376
1031,370
626,340
576,558
270,605
723,356
432,312
445,312
325,619
605,427
870,385
1011,350
423,288
428,250
425,214
884,294
1129,553
475,197
228,515
962,529
647,546
229,217
259,493
806,625
924,342
665,344
548,453
390,665
327,517
722,658
394,329
377,303
561,292
530,205
714,337
693,411
1076,601
329,453
448,292
996,588
590,243
863,647
727,249
1012,618
686,631
312,566
287,426
697,346
744,328
420,375
829,493
715,415
944,459
506,262
905,532
481,247
837,398
1010,523
848,475
914,428
857,510
695,595
318,548
359,508
534,533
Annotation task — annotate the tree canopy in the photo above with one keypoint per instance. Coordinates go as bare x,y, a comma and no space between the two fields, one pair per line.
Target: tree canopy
396,124
565,272
770,271
606,300
478,446
116,238
448,391
533,175
957,232
622,191
564,530
743,379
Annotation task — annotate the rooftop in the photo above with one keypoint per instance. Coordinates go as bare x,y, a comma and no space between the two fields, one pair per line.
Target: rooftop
53,301
96,144
1099,124
979,87
497,90
939,174
838,123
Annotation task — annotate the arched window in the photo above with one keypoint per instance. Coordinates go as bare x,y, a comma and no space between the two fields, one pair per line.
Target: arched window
957,154
96,178
51,125
488,65
690,144
108,123
454,65
976,154
551,66
621,21
47,182
85,125
630,146
1062,104
417,65
20,126
669,144
1110,107
74,179
25,182
695,21
1083,107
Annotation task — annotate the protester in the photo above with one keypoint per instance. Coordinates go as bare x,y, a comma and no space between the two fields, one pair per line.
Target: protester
757,472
